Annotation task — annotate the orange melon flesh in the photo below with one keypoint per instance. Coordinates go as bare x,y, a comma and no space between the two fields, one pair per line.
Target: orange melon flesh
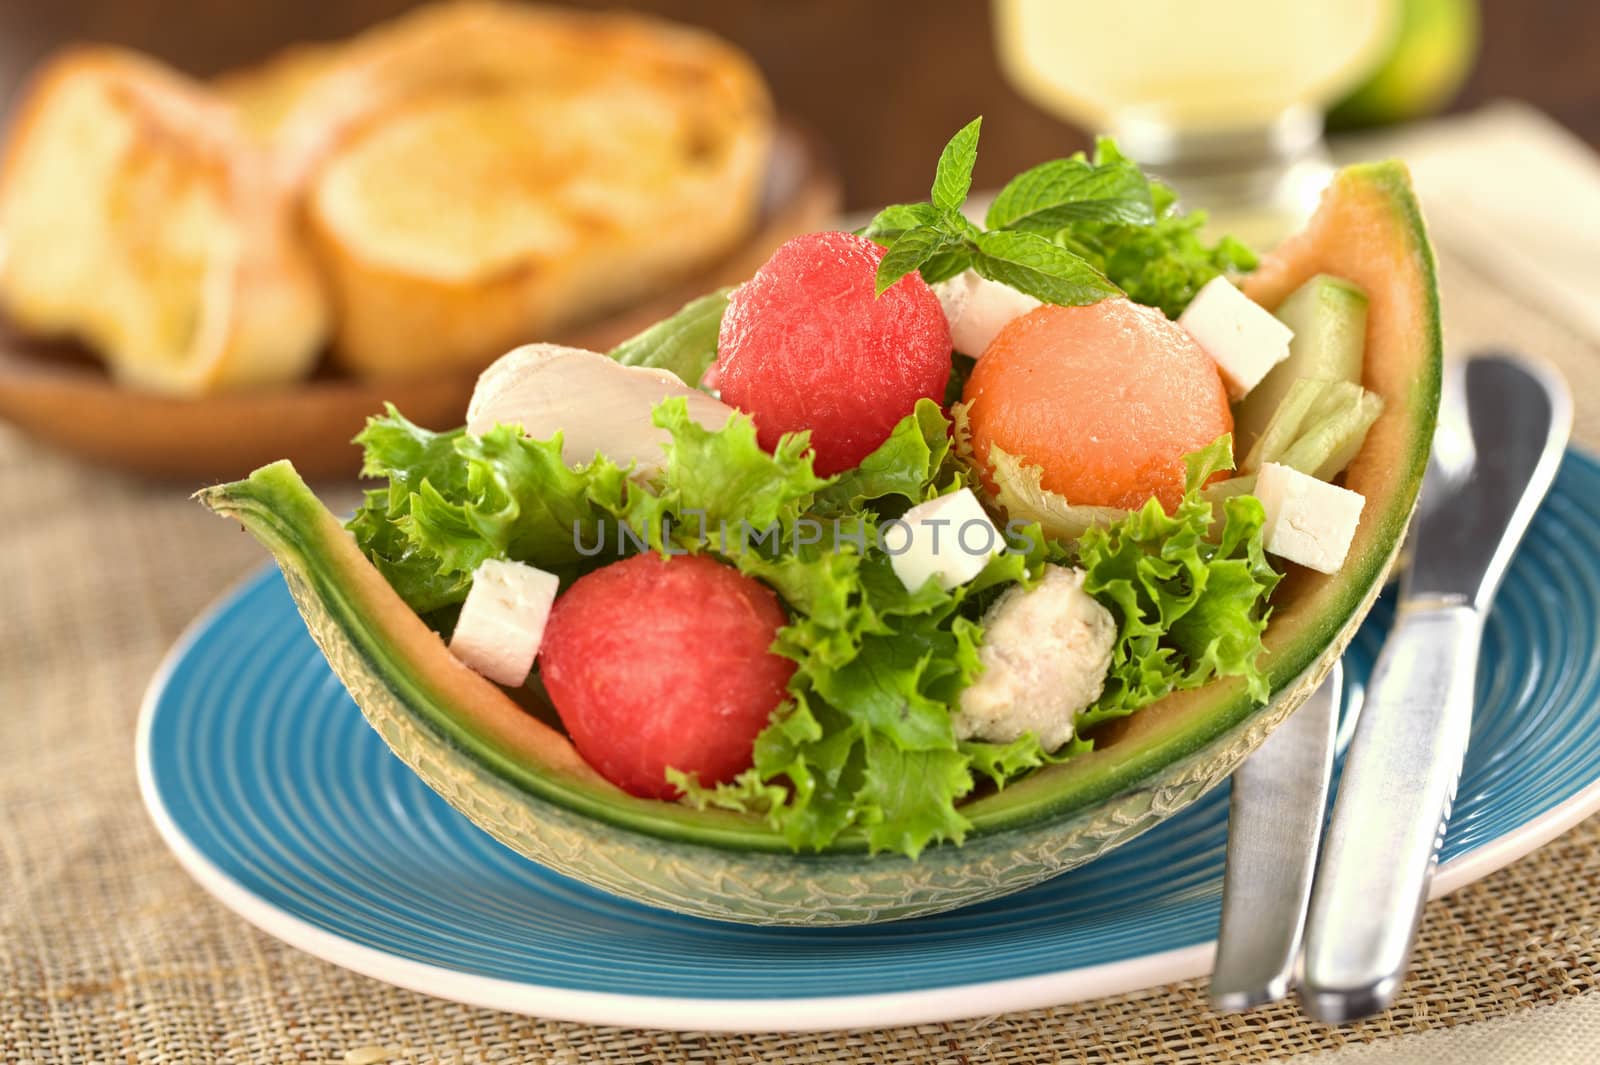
1368,230
1106,399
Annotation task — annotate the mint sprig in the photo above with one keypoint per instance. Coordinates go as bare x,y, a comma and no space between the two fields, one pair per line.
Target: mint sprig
1069,231
936,239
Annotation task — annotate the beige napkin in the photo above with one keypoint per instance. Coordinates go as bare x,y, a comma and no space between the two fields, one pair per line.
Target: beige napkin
1515,194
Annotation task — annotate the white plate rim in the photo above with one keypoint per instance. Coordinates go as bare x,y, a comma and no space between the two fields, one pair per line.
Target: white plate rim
753,1015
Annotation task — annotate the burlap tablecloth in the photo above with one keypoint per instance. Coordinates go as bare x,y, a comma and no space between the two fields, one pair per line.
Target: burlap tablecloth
108,953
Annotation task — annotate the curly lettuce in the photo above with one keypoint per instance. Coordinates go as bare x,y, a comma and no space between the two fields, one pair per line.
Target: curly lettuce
865,741
1188,606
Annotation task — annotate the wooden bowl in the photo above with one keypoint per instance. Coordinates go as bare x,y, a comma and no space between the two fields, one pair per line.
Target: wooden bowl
57,392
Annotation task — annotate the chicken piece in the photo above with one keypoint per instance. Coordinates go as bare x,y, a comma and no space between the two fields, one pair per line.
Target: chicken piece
1045,655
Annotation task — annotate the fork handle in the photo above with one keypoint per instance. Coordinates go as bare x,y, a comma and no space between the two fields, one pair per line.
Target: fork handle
1390,814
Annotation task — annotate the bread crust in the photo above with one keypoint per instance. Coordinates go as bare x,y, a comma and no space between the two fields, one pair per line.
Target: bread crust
137,216
437,190
399,101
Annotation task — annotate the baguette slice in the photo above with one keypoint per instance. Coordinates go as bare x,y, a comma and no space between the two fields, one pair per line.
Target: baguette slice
136,215
479,175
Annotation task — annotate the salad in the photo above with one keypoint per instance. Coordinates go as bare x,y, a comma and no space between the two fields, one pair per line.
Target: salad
908,515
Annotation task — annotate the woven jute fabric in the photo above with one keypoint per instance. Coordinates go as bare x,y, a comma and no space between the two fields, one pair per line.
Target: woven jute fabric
108,953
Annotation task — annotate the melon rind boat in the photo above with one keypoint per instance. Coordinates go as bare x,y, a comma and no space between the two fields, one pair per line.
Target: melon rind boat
523,782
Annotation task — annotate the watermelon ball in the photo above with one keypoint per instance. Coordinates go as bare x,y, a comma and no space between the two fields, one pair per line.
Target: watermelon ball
806,345
655,662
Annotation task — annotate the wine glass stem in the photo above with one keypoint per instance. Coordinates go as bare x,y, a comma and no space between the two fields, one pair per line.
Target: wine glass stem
1264,177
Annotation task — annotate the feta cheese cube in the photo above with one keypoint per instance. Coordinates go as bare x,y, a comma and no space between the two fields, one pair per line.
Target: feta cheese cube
1241,336
502,621
1308,521
950,539
977,309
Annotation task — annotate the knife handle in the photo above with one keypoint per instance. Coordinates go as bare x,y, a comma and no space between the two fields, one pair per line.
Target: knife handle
1390,813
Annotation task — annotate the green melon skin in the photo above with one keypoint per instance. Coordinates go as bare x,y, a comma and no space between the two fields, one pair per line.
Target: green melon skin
523,783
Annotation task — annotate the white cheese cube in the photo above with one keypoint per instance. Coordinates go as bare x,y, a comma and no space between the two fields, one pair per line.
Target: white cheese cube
950,539
1241,336
1308,521
977,309
502,622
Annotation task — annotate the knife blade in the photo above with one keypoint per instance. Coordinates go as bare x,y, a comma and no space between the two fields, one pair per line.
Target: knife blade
1503,425
1275,815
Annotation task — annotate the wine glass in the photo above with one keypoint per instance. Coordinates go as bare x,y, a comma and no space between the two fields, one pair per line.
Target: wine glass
1223,99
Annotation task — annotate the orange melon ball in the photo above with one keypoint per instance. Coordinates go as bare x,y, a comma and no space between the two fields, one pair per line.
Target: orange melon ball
1106,399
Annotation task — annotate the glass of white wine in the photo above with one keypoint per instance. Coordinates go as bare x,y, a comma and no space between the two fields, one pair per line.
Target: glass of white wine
1221,98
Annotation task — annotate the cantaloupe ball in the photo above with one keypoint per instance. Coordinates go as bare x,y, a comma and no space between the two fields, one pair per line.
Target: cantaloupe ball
1106,399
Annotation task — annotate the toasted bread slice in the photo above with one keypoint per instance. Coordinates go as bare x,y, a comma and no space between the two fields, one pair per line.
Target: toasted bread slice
479,175
265,95
137,215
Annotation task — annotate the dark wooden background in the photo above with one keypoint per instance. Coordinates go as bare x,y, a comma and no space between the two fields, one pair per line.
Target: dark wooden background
883,81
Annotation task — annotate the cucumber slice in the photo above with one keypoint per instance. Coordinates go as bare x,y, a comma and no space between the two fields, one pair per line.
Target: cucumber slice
1317,429
1329,319
1288,417
1336,433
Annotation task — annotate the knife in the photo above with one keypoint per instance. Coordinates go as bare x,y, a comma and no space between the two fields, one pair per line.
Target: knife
1275,815
1503,425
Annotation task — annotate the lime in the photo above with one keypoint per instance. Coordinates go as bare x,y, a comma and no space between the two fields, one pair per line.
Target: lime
1429,58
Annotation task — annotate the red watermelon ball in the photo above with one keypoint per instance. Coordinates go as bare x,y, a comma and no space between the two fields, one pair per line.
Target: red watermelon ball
655,662
806,345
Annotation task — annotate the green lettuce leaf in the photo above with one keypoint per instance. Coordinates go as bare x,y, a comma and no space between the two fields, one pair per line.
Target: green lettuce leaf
410,457
1004,762
903,467
865,741
724,475
1187,608
685,343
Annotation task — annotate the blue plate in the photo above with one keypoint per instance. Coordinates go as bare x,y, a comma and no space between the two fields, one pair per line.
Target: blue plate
267,783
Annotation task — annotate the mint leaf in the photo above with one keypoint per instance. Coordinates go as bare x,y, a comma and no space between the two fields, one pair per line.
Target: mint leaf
952,178
945,265
1054,194
685,343
897,218
1029,263
910,250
